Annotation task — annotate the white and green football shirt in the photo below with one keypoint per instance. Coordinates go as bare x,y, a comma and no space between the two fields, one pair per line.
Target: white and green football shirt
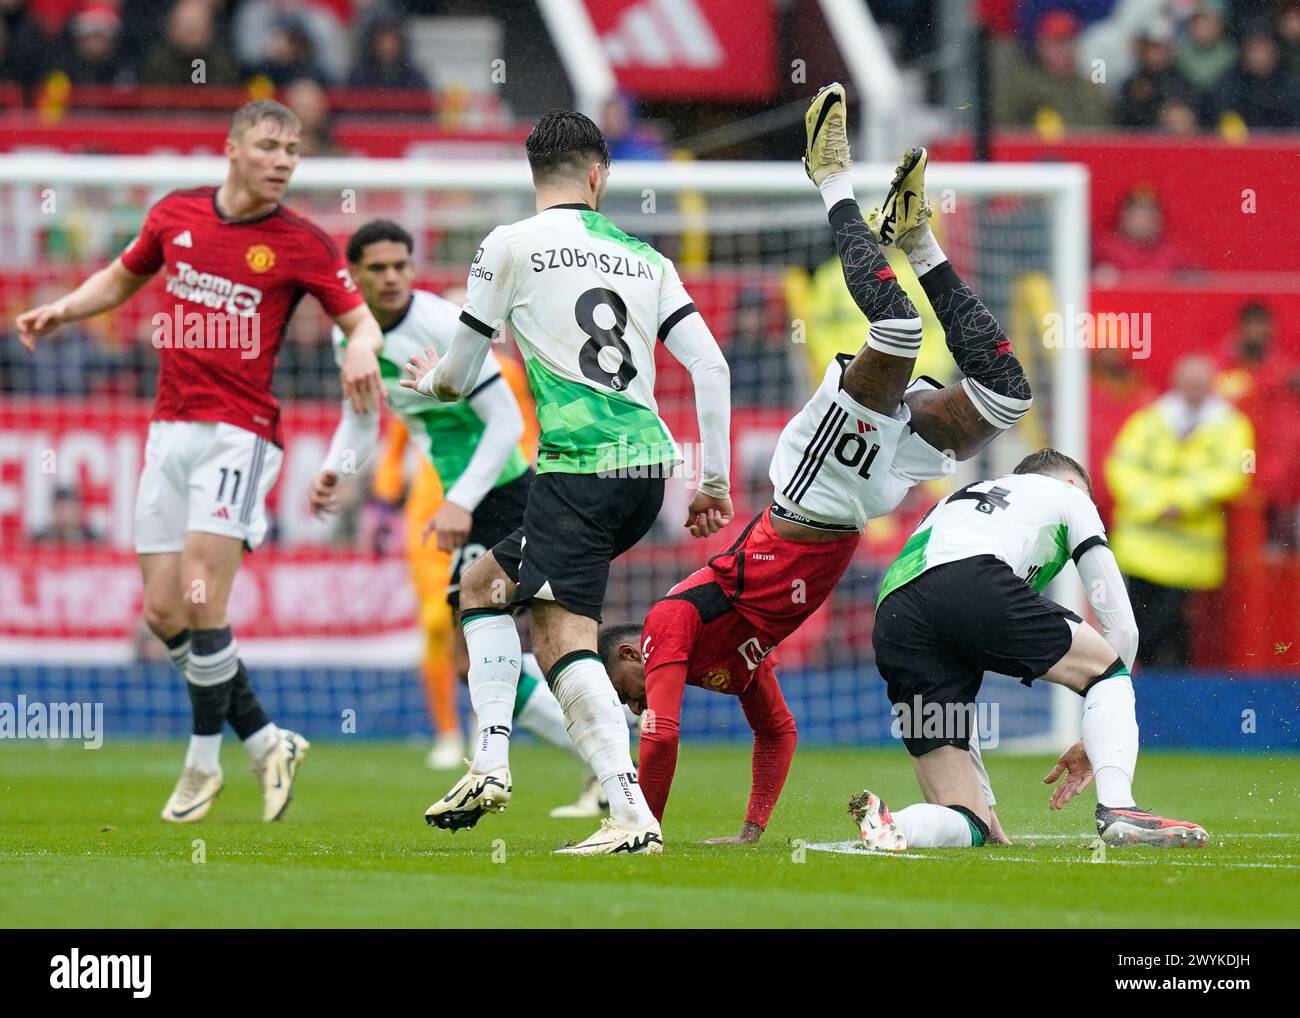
446,433
1032,522
585,302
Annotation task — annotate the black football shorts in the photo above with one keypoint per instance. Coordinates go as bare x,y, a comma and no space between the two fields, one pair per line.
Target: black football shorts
499,514
574,526
936,637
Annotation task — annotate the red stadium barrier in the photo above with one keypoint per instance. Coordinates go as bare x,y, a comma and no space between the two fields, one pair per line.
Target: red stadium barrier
56,593
1250,624
1205,210
1200,316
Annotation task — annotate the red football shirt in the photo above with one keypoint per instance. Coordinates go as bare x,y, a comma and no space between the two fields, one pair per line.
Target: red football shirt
717,629
231,286
721,654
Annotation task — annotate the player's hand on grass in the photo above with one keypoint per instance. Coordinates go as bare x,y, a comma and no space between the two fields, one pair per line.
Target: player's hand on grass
37,322
1077,768
997,835
707,515
749,833
452,525
363,386
325,493
420,369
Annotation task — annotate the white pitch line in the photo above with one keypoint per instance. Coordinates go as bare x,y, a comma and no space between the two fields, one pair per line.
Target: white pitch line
855,848
1213,837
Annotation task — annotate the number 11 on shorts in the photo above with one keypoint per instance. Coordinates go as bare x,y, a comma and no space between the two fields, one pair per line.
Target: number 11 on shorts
226,474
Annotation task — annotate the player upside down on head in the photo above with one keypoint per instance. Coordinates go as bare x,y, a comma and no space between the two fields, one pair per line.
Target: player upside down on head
849,455
961,599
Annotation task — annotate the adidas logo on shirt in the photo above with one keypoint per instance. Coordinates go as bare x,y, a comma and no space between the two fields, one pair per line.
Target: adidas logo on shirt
221,514
183,239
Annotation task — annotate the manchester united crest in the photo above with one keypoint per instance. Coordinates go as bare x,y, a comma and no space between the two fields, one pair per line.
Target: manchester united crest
718,678
260,258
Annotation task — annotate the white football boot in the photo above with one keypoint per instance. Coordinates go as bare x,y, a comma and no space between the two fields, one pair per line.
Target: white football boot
614,839
1134,826
275,771
906,207
192,797
826,132
591,803
875,826
469,798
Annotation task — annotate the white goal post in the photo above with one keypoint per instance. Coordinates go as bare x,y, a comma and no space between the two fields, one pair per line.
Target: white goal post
27,180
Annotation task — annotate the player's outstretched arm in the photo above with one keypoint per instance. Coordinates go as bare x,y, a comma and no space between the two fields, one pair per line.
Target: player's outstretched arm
354,440
1109,599
363,386
775,737
452,377
660,731
503,426
108,288
689,340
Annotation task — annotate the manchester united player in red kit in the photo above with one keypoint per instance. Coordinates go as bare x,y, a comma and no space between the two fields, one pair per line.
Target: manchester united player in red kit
717,630
236,264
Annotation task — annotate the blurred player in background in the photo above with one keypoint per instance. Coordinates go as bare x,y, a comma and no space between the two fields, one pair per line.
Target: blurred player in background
415,503
236,263
962,598
850,455
585,302
475,476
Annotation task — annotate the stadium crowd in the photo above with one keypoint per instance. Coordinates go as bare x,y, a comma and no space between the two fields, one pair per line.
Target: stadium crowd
1177,66
116,42
1180,69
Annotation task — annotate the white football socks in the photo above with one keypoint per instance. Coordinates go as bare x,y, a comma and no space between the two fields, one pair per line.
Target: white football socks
494,662
262,741
540,713
900,337
599,728
835,189
1110,738
178,649
926,825
922,250
204,753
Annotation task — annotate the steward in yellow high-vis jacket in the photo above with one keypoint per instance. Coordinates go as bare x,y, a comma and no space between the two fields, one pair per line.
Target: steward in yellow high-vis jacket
1173,467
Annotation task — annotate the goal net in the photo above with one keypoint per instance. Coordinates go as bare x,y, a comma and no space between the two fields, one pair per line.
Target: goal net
326,612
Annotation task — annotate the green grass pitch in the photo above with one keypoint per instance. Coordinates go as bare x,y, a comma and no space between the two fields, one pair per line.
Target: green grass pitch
81,845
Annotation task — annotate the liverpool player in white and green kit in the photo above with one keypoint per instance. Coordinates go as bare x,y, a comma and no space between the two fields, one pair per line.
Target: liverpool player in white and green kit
473,443
962,598
587,305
